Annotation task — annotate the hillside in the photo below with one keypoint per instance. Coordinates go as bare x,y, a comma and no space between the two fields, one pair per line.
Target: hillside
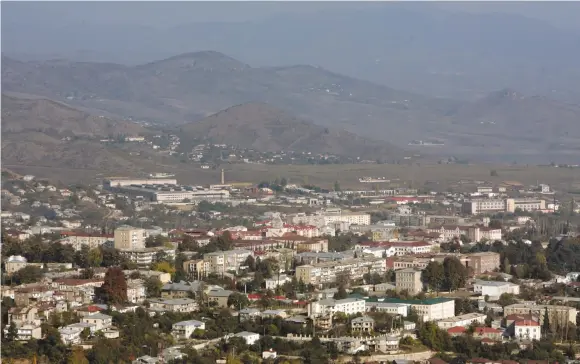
189,87
264,128
38,114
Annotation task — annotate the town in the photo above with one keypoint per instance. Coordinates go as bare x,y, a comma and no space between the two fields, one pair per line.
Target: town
149,270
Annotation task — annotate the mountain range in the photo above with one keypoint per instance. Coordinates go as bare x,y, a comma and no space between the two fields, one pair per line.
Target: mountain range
458,50
190,87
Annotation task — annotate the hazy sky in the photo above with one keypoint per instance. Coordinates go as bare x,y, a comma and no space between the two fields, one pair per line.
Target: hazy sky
159,14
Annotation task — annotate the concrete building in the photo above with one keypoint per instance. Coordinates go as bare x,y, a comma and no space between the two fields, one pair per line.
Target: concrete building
122,182
326,272
559,315
363,324
388,307
249,337
462,320
219,296
129,238
473,233
173,305
482,206
527,330
330,306
221,262
494,289
350,218
184,329
431,309
482,262
409,279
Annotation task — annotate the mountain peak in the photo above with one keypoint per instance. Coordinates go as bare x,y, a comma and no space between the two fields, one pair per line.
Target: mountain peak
200,60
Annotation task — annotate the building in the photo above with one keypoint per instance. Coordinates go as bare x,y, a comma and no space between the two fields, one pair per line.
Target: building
388,307
488,205
181,289
219,297
559,315
173,305
482,262
326,272
494,289
276,281
330,306
136,292
473,233
129,238
221,262
14,263
184,329
409,279
527,330
398,247
249,337
431,309
146,256
77,240
363,324
462,320
122,182
100,321
350,218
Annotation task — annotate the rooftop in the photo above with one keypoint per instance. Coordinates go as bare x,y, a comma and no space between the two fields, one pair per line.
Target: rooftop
428,301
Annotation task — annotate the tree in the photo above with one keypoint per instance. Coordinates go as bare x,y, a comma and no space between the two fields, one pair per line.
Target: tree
546,323
495,224
238,301
336,186
114,289
95,257
12,333
341,294
493,173
455,274
86,333
77,356
28,274
153,286
433,276
164,267
506,265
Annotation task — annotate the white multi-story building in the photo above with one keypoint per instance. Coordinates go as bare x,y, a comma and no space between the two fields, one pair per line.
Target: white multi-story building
462,320
122,182
474,233
184,329
330,306
488,205
388,307
494,289
326,272
527,330
351,218
431,309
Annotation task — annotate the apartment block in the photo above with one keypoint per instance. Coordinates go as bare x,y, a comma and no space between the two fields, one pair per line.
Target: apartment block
559,315
462,320
330,306
431,309
223,261
482,262
326,272
129,238
409,279
495,289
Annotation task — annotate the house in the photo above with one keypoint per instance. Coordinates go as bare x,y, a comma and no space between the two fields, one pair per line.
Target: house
330,306
363,324
462,320
276,281
274,313
136,292
487,333
249,314
249,337
70,335
26,332
527,330
220,297
494,289
173,305
184,329
99,320
181,289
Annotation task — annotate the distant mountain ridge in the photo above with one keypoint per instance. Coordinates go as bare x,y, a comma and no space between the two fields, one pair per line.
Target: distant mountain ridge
193,86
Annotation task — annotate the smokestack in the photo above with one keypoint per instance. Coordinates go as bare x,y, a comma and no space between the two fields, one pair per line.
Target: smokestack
223,177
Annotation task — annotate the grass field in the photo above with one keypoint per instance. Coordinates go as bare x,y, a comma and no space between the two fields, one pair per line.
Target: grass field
561,179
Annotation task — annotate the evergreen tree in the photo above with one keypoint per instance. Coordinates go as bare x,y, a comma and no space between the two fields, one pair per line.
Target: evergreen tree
546,323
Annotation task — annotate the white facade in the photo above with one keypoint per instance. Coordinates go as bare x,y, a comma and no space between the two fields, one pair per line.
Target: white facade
250,337
390,308
462,320
495,289
528,330
348,306
128,237
184,329
351,218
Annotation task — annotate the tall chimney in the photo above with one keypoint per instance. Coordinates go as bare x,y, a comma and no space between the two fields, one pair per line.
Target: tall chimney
223,177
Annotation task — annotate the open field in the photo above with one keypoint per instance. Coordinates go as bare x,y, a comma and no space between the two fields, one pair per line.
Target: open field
561,179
